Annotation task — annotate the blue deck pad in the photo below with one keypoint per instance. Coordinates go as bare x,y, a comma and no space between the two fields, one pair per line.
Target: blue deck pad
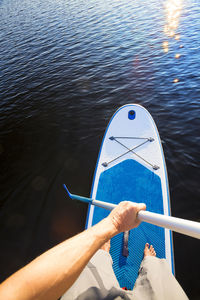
131,181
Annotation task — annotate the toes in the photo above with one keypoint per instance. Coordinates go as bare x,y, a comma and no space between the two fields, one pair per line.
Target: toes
149,251
146,249
152,250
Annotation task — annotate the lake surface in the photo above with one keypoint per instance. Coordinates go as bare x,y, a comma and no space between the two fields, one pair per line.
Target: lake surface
65,67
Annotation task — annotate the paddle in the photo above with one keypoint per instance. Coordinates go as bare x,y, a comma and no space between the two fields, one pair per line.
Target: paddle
183,226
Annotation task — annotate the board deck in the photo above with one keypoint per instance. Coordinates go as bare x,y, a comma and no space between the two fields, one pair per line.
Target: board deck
131,166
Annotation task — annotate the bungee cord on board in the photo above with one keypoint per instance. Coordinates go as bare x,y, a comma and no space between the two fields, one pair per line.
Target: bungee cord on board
146,140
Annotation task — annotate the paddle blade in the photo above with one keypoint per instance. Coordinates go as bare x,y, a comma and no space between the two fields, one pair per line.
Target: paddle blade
69,194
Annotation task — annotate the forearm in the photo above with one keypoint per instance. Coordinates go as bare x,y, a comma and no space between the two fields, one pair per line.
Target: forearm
52,273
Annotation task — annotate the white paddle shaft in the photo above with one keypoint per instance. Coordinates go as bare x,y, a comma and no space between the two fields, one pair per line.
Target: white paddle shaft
183,226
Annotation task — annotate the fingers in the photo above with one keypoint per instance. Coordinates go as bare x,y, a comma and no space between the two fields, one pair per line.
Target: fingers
141,206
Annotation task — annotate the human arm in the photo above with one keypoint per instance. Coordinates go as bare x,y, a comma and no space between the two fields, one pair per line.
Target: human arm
52,273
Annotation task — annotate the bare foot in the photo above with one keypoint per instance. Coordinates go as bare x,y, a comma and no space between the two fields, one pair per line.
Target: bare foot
149,251
106,246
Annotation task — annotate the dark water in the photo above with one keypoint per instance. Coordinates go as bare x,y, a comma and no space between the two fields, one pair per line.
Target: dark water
66,66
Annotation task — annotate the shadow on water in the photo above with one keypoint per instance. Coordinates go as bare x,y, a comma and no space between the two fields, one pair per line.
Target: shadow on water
66,67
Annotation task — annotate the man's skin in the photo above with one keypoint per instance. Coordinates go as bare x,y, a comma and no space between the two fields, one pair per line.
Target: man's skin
51,274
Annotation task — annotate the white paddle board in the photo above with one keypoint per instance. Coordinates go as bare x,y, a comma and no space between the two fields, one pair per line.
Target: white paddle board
131,166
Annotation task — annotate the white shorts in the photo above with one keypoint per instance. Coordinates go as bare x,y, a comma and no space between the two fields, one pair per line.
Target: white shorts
98,281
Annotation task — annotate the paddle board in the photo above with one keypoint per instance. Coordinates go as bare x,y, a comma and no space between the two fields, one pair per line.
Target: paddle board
131,166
